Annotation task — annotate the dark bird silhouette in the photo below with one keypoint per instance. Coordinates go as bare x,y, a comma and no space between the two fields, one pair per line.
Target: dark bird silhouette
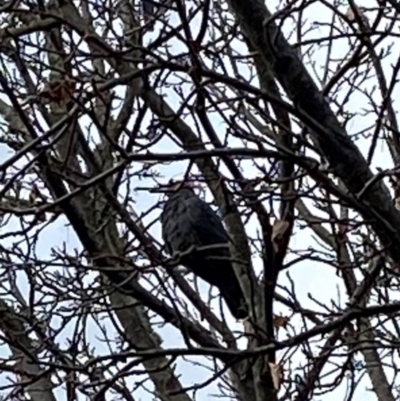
188,222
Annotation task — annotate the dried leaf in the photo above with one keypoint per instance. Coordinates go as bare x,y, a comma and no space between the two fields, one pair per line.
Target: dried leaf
60,90
241,109
41,217
397,203
281,321
34,194
276,374
278,231
351,15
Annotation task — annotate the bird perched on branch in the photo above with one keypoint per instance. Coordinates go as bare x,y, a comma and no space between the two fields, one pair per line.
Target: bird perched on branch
189,224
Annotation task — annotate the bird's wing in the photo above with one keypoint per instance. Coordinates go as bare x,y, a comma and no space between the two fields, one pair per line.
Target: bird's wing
205,222
190,222
177,230
165,229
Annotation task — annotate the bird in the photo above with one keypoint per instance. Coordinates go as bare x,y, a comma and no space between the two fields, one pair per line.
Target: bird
189,223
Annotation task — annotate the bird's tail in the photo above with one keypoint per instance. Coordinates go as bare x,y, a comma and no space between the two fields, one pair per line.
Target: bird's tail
235,301
217,270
